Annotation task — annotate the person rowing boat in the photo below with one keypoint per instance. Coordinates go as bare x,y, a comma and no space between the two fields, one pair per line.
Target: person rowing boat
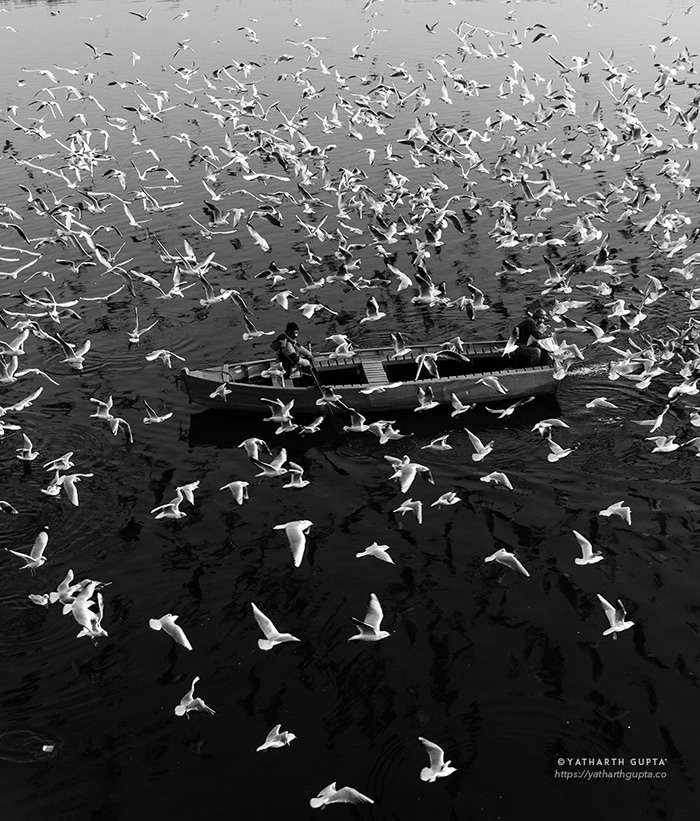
290,353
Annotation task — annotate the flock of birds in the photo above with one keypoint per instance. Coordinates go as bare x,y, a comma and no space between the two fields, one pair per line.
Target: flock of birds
269,166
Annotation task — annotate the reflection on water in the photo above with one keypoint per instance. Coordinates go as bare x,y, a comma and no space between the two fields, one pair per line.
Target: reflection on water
497,156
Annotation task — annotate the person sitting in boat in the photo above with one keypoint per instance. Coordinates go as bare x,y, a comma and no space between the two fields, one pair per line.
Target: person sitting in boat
527,335
289,352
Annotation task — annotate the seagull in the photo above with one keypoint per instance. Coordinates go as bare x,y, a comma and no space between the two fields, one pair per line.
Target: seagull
296,534
498,478
273,467
426,400
459,406
379,551
345,795
557,451
369,629
27,453
601,402
439,768
239,490
408,505
62,463
406,471
372,313
171,510
35,558
449,498
618,509
616,617
358,423
589,555
67,482
167,624
503,557
276,738
493,383
189,703
272,634
253,445
481,450
663,444
142,17
104,409
438,444
153,417
543,427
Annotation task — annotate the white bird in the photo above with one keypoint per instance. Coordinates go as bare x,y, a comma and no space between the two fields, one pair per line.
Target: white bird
188,703
104,409
273,467
296,476
65,591
370,628
481,450
372,313
544,426
167,624
35,558
62,463
439,768
663,444
438,444
411,506
459,406
426,400
493,383
253,445
239,490
406,471
602,402
616,617
296,534
449,498
618,509
276,738
153,417
68,482
557,451
171,510
27,453
507,559
358,423
345,795
379,551
498,478
272,634
589,555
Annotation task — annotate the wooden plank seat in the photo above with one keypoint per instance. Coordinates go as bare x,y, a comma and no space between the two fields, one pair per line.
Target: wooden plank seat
373,368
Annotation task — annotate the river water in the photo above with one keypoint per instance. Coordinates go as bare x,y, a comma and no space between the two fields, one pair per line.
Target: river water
510,675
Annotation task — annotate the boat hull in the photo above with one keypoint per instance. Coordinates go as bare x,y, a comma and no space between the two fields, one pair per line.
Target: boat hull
375,394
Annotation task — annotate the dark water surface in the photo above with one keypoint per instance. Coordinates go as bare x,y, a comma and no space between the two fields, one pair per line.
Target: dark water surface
510,675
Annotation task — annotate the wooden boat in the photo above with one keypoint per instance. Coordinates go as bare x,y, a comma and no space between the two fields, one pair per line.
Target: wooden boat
371,380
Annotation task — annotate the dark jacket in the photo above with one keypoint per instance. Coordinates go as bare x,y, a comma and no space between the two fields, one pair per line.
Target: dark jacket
527,331
288,352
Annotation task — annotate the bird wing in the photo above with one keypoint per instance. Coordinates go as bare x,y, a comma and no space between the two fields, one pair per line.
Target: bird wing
436,754
264,623
39,545
586,546
349,795
374,613
609,610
